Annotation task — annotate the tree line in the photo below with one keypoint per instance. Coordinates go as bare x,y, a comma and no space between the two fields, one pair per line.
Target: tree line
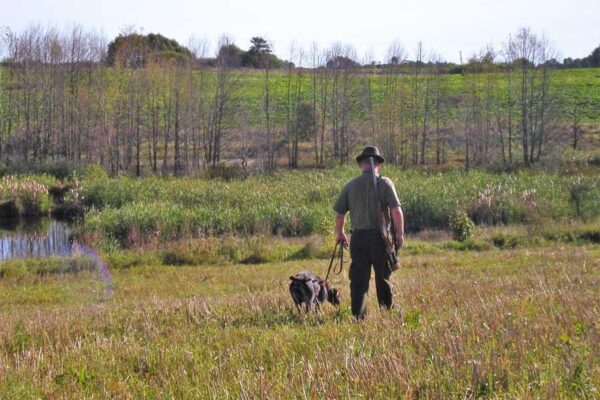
146,105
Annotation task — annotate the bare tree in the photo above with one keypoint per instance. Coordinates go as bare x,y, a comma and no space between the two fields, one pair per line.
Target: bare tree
340,62
536,97
390,109
226,85
197,112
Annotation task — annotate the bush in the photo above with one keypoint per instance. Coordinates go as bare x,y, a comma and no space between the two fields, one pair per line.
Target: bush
461,226
58,169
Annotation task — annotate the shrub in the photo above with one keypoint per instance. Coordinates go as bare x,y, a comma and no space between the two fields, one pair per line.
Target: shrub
461,226
60,169
595,160
590,234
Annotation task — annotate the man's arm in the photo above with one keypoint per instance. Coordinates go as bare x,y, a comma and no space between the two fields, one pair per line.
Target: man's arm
340,235
398,218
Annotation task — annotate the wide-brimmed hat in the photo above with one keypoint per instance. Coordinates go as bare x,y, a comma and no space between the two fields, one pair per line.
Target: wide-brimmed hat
370,151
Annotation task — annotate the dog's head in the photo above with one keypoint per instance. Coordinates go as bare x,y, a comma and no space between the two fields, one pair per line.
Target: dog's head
300,278
333,296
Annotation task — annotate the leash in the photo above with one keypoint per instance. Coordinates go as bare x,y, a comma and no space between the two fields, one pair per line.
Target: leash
337,267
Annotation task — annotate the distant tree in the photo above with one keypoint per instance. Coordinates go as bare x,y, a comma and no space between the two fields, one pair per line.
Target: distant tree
594,57
553,62
229,55
260,55
341,62
257,55
130,50
134,50
593,60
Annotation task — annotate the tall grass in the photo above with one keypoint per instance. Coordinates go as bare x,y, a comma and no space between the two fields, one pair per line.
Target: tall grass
28,195
298,203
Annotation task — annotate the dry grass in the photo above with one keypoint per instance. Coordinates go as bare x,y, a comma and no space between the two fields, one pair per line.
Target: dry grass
510,324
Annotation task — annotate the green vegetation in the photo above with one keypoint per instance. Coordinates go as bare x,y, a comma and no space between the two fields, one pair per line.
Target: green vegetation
507,324
24,196
135,50
124,212
298,203
499,291
580,85
460,225
198,305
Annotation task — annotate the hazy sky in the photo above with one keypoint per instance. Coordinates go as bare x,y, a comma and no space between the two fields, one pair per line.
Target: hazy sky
445,27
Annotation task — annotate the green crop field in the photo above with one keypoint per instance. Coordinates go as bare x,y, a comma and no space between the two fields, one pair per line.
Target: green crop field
581,85
573,85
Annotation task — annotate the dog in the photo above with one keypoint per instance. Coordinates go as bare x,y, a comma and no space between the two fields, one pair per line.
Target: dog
308,289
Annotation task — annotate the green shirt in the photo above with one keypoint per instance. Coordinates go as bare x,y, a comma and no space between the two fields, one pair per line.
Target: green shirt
358,197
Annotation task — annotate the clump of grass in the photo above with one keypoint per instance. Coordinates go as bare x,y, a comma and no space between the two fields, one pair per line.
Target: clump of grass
29,196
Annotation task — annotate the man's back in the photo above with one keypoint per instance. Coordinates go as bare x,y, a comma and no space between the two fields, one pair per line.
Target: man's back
358,197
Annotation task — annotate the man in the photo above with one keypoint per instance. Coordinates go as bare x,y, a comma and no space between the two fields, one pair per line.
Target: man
367,247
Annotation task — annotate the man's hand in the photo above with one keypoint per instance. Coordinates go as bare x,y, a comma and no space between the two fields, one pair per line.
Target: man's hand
399,240
342,238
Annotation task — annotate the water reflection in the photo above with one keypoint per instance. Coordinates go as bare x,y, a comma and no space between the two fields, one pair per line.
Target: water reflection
21,239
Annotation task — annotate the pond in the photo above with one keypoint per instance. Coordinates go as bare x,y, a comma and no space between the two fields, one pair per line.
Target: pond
39,238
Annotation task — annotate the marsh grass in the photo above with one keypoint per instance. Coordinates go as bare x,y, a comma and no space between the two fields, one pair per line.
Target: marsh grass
125,211
517,324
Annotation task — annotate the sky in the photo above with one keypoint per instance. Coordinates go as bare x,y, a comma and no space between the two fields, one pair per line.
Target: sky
446,28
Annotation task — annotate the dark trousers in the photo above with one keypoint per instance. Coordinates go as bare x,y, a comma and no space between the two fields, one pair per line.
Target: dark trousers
367,249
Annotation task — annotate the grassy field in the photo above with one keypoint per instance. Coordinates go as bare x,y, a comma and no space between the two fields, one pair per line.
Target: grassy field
198,307
488,324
